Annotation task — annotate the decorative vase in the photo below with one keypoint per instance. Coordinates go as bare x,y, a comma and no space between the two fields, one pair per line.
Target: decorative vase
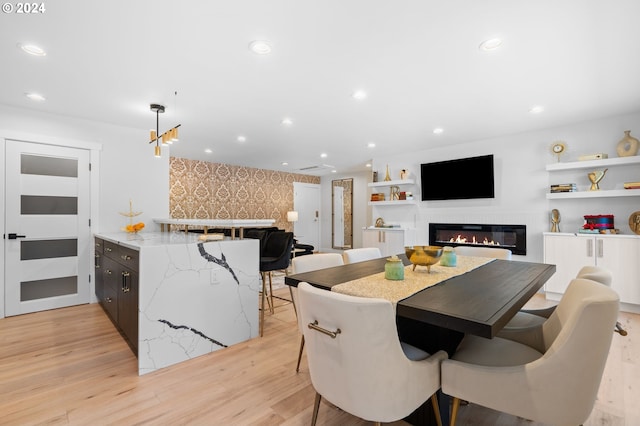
387,177
394,269
628,145
448,257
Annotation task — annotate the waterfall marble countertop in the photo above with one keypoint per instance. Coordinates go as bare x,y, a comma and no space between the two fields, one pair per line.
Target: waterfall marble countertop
194,297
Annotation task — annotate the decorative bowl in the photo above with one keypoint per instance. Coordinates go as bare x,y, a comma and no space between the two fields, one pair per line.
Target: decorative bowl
423,255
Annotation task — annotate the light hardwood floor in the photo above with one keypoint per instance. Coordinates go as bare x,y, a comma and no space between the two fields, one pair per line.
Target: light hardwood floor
70,366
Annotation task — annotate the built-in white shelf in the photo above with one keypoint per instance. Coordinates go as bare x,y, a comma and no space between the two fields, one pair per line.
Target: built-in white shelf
595,194
592,164
392,203
391,182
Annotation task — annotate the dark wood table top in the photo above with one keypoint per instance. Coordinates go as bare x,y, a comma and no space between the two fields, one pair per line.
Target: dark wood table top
479,302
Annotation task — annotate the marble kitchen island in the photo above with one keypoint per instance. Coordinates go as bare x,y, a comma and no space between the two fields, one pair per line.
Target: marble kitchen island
193,297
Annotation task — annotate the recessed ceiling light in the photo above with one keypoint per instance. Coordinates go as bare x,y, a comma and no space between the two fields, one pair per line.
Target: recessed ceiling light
371,145
359,95
286,121
438,130
537,109
334,171
242,139
490,44
32,49
35,97
323,155
208,151
368,165
284,163
260,47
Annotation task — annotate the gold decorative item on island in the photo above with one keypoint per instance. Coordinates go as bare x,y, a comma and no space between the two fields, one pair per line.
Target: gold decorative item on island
132,228
423,255
555,220
595,178
628,145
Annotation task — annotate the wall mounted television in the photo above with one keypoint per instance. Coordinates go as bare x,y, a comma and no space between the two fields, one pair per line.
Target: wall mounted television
463,178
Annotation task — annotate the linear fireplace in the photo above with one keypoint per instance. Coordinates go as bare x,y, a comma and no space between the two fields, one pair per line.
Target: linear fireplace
512,237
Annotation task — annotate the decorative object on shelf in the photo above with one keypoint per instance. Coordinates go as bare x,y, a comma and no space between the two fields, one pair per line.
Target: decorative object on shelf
598,222
403,174
555,220
558,148
377,196
589,157
375,176
563,187
394,269
628,145
595,178
167,137
387,177
632,185
132,227
448,257
394,192
379,222
423,255
634,222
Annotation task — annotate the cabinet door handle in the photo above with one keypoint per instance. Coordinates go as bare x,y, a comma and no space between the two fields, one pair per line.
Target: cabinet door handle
125,285
589,248
108,300
108,249
600,248
125,257
108,271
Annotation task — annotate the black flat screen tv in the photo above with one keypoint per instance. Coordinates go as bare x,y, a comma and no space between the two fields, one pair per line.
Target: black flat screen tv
464,178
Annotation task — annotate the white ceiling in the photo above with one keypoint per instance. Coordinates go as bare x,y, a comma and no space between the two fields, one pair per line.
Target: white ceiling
418,61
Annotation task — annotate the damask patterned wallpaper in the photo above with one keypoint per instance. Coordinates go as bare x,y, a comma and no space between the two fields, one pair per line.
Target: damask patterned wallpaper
203,190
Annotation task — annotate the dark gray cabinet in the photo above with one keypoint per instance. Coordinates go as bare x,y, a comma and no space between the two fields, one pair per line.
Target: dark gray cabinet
117,282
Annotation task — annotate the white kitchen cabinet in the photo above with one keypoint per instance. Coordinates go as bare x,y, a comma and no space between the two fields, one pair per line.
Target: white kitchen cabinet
389,241
618,253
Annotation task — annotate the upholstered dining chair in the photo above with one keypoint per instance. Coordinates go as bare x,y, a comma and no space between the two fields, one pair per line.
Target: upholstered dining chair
275,255
528,322
357,362
555,380
361,254
307,264
481,251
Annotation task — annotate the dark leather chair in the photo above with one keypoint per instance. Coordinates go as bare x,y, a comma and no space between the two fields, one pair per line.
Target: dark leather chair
275,256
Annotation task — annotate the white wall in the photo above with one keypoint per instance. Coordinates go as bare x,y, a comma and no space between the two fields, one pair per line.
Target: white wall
521,182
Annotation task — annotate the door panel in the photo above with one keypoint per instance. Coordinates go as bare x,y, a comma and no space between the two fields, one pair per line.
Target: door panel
47,208
306,201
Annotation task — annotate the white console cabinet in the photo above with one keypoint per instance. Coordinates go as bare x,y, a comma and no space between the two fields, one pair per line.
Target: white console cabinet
618,253
390,241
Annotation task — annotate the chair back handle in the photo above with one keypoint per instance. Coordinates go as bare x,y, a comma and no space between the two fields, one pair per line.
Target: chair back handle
314,326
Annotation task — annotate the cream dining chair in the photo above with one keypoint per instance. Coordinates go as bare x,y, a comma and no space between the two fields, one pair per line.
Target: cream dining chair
306,264
356,361
556,379
361,254
527,323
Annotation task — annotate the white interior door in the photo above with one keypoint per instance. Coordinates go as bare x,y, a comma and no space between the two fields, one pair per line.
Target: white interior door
48,235
306,201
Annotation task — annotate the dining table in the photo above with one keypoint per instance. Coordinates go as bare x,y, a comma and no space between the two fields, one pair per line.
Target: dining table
479,299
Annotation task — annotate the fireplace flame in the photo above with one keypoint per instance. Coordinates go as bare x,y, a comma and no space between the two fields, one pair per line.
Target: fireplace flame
461,239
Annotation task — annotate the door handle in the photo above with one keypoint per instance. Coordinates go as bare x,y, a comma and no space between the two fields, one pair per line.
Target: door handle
14,236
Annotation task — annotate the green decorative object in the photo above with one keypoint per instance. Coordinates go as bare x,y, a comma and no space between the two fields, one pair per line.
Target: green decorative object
394,269
448,257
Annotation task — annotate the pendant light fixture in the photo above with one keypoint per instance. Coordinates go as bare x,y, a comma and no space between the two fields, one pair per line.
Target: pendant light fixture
167,137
